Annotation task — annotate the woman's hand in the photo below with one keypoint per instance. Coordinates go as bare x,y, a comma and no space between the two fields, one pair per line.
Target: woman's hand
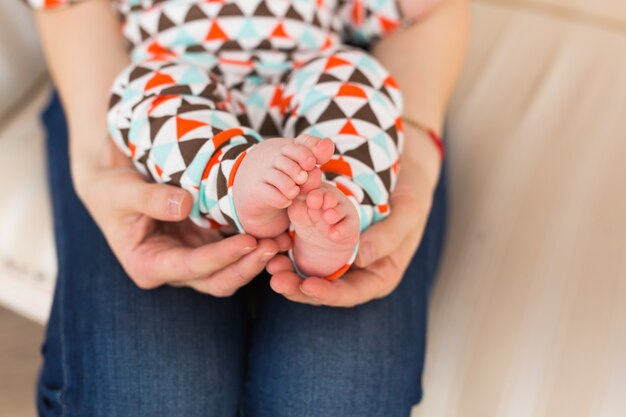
130,211
425,60
386,247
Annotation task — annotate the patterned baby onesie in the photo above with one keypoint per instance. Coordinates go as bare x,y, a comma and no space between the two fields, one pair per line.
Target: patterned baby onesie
210,79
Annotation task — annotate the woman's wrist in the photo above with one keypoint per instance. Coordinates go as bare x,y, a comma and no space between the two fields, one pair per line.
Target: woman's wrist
89,152
421,155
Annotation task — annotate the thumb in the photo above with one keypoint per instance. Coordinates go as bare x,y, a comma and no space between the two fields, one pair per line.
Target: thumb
384,238
157,201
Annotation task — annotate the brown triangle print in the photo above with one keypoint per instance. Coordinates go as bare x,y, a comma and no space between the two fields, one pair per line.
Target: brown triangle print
268,127
265,44
230,9
195,13
385,177
365,113
361,153
292,13
175,178
358,77
332,112
229,45
114,99
263,10
189,149
187,107
301,125
155,125
327,78
124,133
165,23
138,72
393,134
144,34
195,49
176,90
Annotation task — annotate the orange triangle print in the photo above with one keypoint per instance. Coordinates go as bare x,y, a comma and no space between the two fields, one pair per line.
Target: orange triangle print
277,98
391,82
348,129
327,43
334,61
157,80
158,51
358,12
216,33
351,90
183,126
387,24
279,31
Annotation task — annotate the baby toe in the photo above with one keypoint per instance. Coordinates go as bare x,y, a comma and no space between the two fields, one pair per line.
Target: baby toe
315,199
283,183
323,149
339,231
301,155
314,180
334,215
331,200
291,168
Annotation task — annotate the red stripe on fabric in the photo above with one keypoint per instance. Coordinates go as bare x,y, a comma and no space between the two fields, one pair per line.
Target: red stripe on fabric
339,273
233,172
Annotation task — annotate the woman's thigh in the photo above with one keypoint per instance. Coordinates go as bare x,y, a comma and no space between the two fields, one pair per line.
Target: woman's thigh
308,361
112,349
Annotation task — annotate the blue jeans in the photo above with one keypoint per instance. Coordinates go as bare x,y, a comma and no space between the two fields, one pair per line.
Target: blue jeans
112,349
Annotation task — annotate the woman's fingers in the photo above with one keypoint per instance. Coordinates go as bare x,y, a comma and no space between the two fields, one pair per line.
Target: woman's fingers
358,286
162,259
157,201
287,283
279,263
226,281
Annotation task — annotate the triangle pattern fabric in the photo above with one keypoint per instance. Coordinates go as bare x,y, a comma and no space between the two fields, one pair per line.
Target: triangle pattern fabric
209,77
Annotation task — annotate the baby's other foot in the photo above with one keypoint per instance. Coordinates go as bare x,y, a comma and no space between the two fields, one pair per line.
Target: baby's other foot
326,226
271,175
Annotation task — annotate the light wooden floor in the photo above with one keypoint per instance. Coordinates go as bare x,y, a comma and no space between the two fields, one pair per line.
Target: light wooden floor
20,340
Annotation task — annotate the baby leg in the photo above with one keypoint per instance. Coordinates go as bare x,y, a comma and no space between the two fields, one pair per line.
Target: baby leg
176,122
347,96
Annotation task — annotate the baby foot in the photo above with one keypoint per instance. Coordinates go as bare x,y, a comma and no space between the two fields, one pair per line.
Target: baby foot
326,226
271,175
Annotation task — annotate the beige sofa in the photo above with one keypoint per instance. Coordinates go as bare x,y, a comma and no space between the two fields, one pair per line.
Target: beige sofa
529,312
27,262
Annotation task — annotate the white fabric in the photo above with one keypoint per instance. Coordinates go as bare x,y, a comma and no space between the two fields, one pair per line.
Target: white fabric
21,63
27,256
528,317
27,262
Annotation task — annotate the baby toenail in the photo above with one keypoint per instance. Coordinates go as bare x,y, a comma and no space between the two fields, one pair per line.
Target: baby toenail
311,160
302,177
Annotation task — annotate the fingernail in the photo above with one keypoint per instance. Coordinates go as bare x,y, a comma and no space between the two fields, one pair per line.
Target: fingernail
267,256
247,249
366,253
175,204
